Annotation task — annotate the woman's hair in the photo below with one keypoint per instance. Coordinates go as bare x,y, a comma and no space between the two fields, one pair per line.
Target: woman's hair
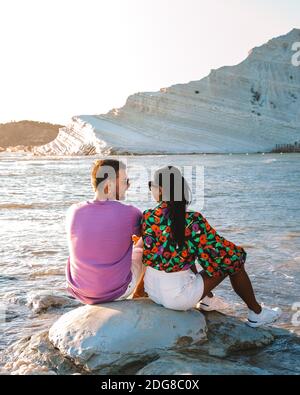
104,168
177,194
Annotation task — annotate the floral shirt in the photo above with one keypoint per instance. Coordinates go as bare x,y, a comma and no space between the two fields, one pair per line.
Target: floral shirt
215,254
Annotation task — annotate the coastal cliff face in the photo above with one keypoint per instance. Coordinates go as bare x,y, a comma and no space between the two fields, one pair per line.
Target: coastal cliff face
249,107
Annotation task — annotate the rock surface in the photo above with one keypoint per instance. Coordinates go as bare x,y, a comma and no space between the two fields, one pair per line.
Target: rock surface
90,335
40,301
140,337
178,364
249,107
227,335
36,355
98,336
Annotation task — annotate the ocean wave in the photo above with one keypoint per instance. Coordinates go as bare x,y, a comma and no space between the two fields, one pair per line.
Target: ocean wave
291,235
7,278
30,206
23,205
47,272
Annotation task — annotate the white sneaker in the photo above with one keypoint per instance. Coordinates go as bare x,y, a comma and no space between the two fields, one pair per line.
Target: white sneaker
212,304
266,316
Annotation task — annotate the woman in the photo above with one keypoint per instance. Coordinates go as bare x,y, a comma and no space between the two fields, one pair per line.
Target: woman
174,239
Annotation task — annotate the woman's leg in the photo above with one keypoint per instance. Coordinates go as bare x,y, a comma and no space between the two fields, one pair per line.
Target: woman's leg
210,283
240,283
242,286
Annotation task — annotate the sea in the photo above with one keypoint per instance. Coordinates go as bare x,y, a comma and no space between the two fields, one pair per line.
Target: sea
252,200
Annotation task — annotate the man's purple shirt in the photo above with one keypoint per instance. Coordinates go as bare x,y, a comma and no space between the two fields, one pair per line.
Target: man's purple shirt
100,248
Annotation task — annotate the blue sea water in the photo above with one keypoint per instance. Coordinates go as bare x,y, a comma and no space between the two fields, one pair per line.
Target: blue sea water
253,200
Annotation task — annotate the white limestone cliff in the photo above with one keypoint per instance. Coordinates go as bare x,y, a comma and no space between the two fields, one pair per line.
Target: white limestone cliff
249,107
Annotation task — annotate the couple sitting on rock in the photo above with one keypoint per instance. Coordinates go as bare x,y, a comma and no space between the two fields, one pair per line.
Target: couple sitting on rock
109,261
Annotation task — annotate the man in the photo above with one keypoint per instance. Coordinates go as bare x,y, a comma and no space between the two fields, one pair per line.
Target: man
103,265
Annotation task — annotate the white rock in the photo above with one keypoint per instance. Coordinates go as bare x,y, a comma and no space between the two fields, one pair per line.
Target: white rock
178,364
227,335
40,301
25,369
101,335
249,107
131,337
35,355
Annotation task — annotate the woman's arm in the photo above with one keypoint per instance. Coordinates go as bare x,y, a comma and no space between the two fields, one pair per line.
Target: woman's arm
138,241
215,253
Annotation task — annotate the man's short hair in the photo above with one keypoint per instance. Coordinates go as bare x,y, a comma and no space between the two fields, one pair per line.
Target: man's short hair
112,165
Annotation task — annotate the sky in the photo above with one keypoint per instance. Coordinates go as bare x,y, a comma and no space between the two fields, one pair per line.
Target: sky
61,58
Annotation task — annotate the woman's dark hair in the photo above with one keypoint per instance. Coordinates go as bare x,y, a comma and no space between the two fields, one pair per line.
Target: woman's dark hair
177,194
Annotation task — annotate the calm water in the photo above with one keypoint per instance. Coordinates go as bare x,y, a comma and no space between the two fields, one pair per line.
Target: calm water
251,200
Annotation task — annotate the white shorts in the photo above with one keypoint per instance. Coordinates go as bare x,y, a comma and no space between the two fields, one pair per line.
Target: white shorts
176,290
137,270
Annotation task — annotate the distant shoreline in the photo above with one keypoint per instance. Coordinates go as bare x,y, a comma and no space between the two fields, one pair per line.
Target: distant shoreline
145,155
23,135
